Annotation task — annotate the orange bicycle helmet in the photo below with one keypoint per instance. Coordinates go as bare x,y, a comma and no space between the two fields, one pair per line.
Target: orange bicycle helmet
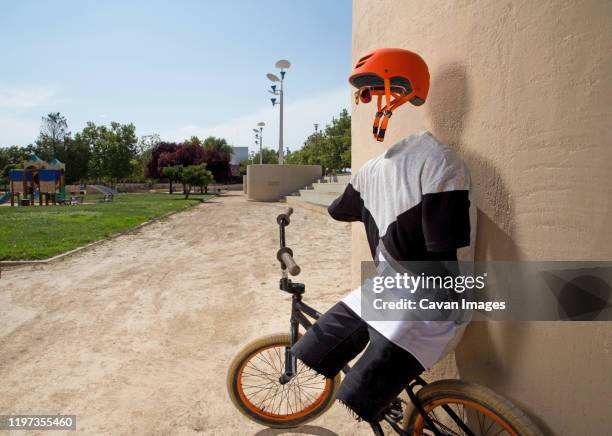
398,75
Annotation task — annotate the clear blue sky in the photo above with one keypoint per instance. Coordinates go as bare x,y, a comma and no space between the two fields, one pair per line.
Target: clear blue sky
175,68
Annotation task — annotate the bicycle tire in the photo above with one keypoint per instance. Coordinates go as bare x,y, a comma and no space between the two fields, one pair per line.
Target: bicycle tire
236,392
480,398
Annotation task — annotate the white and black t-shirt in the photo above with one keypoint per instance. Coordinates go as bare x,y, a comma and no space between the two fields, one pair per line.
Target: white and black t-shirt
415,203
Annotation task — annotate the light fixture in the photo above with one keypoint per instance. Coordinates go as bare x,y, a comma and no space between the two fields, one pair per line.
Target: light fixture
282,65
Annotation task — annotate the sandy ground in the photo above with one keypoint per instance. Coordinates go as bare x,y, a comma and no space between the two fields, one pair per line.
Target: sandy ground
134,336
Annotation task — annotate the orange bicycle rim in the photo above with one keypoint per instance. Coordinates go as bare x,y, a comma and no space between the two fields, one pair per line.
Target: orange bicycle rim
270,415
419,422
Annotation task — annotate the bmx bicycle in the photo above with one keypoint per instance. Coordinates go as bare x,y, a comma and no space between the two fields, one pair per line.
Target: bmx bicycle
271,387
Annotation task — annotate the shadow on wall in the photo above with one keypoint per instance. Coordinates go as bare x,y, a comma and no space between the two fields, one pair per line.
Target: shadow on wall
447,113
479,358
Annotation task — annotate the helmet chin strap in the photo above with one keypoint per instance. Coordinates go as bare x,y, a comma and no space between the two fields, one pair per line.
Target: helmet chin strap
381,119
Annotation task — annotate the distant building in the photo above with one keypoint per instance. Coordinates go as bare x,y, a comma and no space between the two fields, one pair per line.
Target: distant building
239,154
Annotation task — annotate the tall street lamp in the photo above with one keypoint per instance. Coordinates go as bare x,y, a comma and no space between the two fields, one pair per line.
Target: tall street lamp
282,65
259,137
316,140
257,142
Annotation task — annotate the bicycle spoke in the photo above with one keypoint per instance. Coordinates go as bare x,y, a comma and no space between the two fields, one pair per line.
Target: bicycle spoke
262,388
260,373
478,422
489,427
257,386
261,405
299,388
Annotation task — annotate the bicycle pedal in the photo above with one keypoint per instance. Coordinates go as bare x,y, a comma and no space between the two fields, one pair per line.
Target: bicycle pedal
396,415
395,411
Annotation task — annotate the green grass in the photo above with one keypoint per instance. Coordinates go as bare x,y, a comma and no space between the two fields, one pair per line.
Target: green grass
42,232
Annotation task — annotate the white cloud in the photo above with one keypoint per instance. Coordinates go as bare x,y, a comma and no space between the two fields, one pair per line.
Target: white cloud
25,97
20,125
20,113
299,118
18,131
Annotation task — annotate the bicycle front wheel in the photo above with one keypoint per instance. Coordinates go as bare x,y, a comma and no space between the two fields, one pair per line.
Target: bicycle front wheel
254,387
477,410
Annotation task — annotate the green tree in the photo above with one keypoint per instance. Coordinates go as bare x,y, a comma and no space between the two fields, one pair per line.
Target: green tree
4,163
121,149
219,144
112,150
330,148
242,166
90,135
144,149
76,157
13,158
206,180
194,140
52,137
195,175
4,176
174,174
337,148
269,156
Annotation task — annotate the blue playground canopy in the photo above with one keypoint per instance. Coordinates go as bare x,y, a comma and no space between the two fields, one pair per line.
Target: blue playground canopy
49,175
20,175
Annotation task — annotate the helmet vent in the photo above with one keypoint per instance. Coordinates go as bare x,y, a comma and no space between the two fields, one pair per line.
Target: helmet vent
361,61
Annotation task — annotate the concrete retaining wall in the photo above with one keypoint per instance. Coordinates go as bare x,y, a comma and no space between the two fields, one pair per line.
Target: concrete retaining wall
522,90
270,182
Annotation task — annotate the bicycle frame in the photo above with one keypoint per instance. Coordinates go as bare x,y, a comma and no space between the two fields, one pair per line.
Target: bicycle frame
299,310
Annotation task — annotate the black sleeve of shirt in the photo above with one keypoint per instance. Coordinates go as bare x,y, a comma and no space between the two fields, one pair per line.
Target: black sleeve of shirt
446,220
348,206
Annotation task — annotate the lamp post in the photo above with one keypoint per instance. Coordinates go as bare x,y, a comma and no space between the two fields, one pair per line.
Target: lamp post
282,65
256,142
259,137
316,139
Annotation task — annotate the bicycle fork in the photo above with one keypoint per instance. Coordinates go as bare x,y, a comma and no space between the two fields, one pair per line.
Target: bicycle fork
290,359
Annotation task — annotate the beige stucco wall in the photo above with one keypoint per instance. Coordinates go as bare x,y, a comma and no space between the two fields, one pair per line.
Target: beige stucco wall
270,182
523,90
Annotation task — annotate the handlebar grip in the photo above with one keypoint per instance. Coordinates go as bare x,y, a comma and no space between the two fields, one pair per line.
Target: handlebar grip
284,216
285,256
293,268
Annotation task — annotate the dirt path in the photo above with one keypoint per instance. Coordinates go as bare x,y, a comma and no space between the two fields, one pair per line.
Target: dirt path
135,335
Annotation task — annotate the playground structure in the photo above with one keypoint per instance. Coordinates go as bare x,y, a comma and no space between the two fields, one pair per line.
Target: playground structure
38,179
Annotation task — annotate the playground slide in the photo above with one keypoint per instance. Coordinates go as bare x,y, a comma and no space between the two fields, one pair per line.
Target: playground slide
103,189
6,197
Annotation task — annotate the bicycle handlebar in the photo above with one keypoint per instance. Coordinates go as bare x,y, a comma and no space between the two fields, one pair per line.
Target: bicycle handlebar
284,216
285,256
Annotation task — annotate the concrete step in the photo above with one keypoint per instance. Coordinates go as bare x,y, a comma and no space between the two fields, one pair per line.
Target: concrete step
318,197
329,187
341,178
299,201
